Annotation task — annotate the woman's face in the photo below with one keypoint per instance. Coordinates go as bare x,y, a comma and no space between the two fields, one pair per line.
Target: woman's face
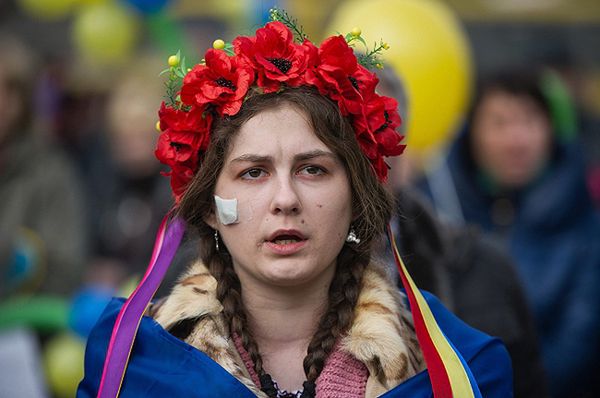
294,201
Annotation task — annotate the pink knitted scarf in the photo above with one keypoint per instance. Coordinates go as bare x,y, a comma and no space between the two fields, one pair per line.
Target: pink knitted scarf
343,376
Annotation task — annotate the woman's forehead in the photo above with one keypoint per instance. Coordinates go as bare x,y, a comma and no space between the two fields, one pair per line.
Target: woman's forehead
278,131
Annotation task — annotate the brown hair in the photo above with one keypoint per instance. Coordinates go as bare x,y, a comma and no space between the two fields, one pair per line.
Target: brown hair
372,207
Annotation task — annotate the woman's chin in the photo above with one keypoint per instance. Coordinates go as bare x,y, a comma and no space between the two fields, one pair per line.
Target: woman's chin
286,278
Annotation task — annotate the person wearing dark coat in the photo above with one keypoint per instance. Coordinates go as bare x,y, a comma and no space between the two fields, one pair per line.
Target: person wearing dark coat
511,173
474,278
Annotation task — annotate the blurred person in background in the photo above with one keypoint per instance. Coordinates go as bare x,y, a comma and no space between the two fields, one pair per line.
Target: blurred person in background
510,173
42,224
470,273
128,196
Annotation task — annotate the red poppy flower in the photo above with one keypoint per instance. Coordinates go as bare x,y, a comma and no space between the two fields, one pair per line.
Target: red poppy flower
367,142
194,123
184,135
222,81
376,131
365,81
370,147
274,56
381,168
180,179
331,75
383,120
339,76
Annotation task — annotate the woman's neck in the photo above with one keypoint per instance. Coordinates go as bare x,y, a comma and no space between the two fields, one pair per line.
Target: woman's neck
283,321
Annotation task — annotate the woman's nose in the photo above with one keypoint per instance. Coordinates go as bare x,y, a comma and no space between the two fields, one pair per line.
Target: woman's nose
285,197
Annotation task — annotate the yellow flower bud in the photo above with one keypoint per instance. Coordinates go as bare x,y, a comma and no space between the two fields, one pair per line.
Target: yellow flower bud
356,31
173,61
218,44
379,66
158,126
386,46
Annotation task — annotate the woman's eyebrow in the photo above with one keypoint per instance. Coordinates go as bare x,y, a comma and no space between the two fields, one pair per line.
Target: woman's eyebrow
255,158
314,154
249,157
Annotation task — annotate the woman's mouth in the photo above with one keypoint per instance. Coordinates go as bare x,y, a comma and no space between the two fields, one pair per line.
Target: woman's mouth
286,242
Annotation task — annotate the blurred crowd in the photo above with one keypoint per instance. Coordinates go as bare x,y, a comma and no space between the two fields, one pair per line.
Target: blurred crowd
499,219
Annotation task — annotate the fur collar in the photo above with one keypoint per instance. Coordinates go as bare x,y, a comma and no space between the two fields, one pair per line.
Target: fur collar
381,336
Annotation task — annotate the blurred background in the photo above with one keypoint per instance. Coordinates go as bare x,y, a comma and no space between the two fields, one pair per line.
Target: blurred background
81,194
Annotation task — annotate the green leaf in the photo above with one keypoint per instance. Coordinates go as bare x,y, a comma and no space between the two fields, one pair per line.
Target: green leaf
283,17
183,66
229,51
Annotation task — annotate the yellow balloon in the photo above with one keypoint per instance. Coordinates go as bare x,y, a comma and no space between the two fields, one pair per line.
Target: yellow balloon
47,9
105,32
429,49
63,364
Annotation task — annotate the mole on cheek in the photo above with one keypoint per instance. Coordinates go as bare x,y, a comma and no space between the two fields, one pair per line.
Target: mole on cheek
302,221
319,205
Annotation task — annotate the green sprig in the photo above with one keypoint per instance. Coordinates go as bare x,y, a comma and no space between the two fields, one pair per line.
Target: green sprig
176,73
371,58
276,14
229,50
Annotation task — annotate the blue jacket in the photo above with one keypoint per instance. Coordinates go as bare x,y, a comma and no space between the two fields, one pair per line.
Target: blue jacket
163,366
554,238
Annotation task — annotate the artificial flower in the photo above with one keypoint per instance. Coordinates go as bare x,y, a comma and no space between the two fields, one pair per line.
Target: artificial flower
180,178
332,75
222,82
185,134
275,56
381,168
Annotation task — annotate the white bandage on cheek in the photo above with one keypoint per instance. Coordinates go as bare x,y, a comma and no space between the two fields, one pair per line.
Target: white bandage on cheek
226,210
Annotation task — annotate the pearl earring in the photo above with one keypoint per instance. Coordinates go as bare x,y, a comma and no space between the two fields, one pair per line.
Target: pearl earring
352,238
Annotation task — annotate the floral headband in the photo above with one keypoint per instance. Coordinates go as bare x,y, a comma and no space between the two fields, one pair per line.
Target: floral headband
278,56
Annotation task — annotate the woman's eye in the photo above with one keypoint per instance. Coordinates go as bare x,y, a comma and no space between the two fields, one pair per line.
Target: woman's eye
253,174
312,170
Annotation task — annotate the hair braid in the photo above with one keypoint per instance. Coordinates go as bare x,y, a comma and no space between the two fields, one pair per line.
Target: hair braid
343,295
229,293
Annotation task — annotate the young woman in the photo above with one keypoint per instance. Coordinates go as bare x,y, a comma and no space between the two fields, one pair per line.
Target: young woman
285,300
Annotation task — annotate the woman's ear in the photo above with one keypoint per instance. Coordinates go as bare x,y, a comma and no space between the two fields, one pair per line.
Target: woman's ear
355,213
211,220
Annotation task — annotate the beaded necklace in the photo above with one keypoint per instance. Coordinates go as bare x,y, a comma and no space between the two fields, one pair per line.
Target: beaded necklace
270,387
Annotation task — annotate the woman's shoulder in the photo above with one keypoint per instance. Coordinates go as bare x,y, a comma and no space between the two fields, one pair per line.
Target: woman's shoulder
160,364
485,356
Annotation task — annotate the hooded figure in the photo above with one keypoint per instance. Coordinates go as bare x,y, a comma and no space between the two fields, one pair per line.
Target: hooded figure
511,172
